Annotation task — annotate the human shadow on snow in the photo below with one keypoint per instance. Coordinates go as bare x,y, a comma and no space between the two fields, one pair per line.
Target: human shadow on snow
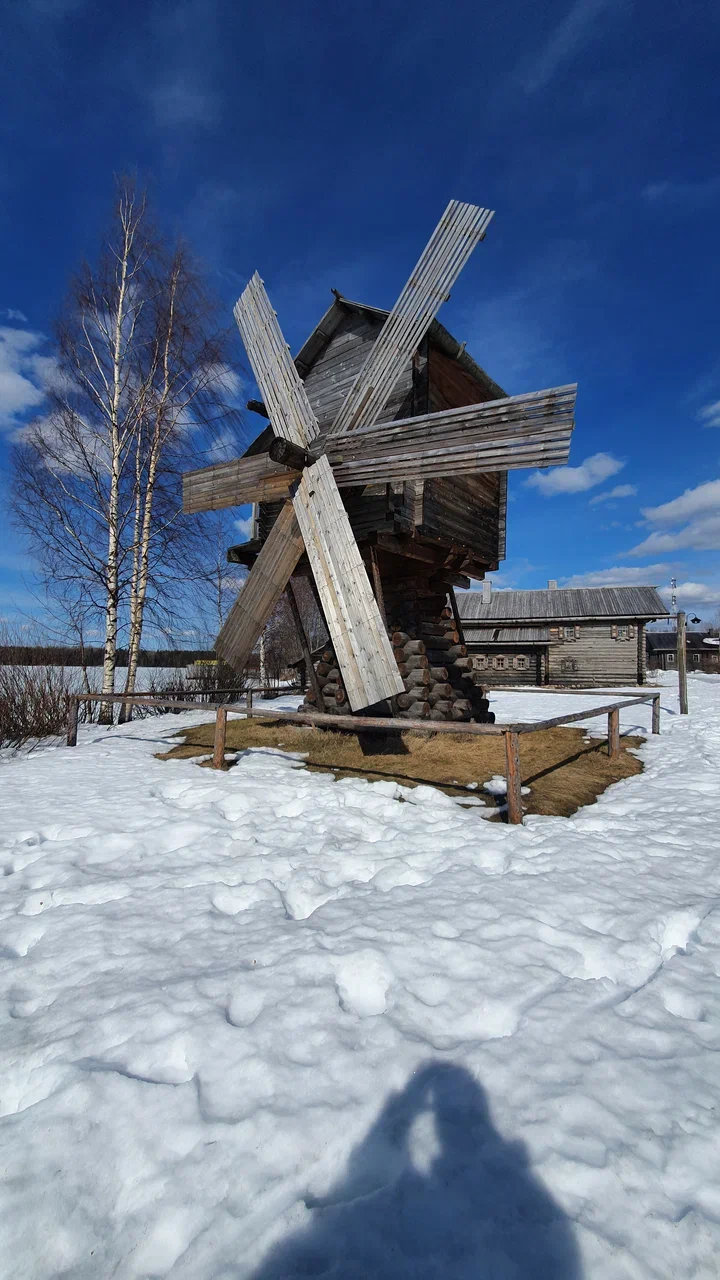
433,1192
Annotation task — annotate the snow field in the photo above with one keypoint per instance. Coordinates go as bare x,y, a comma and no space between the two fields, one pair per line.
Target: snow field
263,1023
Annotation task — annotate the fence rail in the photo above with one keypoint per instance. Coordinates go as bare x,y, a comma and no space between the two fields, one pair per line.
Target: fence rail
511,731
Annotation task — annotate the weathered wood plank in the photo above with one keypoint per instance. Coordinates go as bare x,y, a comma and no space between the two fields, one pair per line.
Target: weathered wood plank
230,484
514,778
282,391
461,227
261,591
359,638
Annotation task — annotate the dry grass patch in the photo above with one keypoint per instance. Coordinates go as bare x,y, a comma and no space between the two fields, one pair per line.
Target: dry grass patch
564,772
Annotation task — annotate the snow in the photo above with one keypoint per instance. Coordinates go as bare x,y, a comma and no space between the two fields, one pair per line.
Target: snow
266,1024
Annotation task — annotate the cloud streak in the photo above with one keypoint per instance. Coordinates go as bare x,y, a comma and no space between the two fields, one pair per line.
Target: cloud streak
709,415
620,491
577,29
591,472
621,576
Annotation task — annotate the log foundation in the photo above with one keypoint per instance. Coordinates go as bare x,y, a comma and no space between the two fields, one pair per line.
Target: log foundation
432,659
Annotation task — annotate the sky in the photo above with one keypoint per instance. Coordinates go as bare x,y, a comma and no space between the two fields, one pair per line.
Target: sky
319,143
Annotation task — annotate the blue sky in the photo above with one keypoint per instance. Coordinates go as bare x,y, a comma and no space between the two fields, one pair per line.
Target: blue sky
320,142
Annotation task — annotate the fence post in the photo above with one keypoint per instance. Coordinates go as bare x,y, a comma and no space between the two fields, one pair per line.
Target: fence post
514,780
220,731
614,733
248,702
72,720
656,713
682,663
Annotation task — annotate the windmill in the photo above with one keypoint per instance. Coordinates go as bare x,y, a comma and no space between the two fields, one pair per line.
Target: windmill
305,467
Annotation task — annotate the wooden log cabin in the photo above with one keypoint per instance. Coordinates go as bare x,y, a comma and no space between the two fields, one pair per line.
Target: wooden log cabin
581,637
703,651
419,538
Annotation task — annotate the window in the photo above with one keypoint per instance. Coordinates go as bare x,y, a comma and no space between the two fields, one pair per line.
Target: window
569,633
622,633
568,664
696,657
480,662
671,659
521,662
499,661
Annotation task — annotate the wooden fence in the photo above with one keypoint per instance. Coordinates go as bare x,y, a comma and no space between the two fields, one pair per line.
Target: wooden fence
386,724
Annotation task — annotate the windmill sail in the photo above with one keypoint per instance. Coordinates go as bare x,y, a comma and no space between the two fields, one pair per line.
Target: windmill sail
461,227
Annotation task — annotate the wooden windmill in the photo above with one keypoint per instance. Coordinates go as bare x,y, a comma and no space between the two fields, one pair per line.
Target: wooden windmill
307,464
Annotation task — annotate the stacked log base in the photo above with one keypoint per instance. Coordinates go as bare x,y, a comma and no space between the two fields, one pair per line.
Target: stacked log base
433,662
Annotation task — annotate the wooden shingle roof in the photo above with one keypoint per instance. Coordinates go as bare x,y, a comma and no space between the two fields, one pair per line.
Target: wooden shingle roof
564,604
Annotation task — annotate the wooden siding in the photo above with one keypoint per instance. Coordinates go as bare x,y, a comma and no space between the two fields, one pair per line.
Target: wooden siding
471,510
335,370
600,659
465,512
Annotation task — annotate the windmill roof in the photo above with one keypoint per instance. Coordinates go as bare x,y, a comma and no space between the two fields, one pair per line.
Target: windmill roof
437,334
565,603
324,330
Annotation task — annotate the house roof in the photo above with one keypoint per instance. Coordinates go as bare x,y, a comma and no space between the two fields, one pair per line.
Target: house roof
437,334
666,641
509,635
559,605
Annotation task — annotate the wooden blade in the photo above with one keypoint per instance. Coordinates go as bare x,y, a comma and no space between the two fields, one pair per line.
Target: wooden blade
230,484
532,430
461,227
261,591
361,643
282,391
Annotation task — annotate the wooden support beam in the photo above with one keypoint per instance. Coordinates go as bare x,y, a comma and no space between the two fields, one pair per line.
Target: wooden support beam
72,721
514,777
219,742
614,733
656,713
304,642
682,663
377,584
261,591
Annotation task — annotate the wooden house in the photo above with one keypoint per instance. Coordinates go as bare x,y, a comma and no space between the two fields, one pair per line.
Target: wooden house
703,651
580,637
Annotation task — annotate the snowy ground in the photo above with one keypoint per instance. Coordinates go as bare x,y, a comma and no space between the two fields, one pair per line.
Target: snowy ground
264,1024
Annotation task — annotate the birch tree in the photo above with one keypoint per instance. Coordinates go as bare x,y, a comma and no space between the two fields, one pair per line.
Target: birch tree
139,394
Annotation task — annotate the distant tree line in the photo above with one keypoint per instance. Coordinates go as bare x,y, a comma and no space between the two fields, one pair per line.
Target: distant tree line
74,656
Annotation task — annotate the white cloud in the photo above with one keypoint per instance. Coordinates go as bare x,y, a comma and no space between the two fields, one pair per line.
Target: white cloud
11,314
709,415
620,491
575,30
24,373
696,510
702,534
245,527
621,576
693,593
705,499
592,471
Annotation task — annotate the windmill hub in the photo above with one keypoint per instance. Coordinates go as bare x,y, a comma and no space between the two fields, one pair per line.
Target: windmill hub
389,459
